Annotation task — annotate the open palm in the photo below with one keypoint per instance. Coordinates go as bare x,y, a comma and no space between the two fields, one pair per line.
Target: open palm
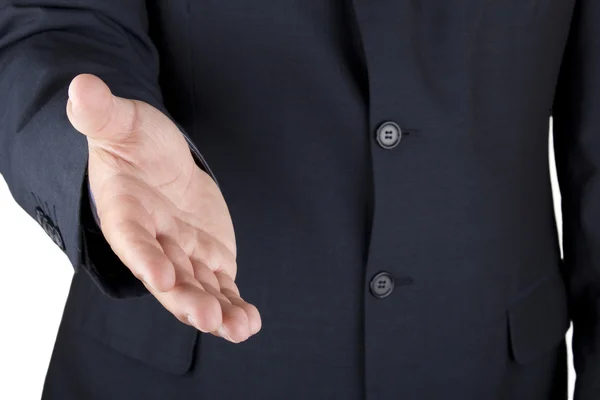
163,216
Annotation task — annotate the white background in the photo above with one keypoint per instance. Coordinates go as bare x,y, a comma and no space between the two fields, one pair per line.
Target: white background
35,278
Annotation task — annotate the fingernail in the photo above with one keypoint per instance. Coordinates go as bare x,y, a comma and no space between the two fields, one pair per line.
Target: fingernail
193,322
223,332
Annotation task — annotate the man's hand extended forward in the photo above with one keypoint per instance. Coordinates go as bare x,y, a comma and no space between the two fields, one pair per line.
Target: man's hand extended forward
163,216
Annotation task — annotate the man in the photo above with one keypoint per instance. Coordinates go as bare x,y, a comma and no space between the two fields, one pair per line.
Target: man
385,166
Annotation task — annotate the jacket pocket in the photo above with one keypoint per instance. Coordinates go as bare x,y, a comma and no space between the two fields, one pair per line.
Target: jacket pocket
137,327
538,320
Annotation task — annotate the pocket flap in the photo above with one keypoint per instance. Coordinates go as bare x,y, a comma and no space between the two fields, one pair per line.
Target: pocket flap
137,327
539,319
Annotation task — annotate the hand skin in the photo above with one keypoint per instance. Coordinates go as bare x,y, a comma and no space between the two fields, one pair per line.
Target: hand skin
162,215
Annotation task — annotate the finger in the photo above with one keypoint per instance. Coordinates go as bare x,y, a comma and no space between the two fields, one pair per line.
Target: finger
252,313
235,327
230,290
188,300
190,304
235,320
94,111
108,120
129,230
206,249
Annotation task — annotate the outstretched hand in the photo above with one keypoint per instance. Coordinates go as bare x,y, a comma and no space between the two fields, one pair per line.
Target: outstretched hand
163,216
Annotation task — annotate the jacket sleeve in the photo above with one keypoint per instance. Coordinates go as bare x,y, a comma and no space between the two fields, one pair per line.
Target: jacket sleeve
44,44
576,121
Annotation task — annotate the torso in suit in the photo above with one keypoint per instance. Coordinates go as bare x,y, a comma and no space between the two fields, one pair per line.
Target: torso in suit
385,163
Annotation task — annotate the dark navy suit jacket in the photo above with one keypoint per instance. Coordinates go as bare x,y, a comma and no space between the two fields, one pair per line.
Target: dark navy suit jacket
385,163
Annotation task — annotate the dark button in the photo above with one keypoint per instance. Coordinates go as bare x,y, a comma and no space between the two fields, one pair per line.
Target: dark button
388,135
46,224
382,285
57,238
49,227
39,215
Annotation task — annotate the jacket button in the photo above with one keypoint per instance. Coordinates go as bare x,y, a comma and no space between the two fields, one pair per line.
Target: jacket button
39,215
57,238
49,227
388,135
45,222
382,285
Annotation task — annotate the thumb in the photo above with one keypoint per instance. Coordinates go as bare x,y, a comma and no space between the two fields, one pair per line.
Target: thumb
94,111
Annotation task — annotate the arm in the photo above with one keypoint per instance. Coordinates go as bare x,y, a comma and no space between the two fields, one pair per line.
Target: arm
44,44
577,148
